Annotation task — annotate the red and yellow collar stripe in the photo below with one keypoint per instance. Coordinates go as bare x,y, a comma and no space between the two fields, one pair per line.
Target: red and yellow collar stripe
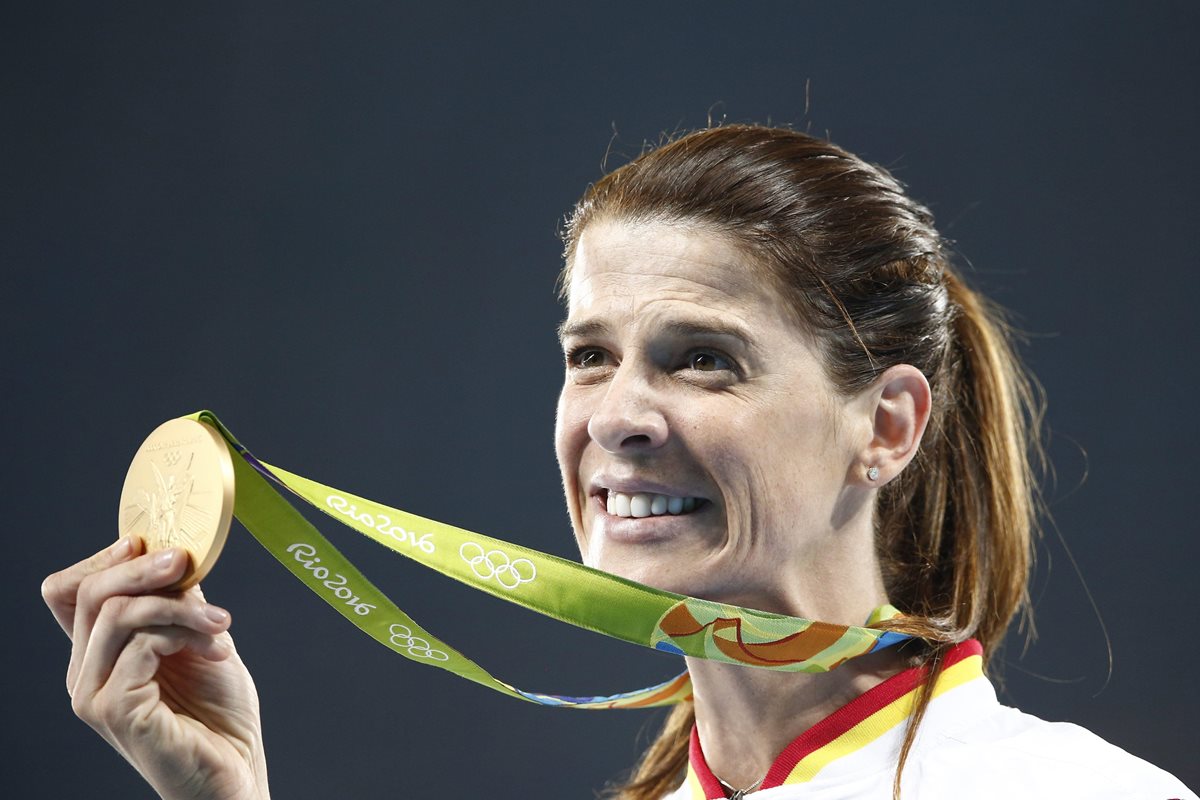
850,728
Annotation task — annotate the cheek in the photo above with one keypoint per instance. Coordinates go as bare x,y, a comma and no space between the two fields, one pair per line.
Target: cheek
570,435
568,448
784,454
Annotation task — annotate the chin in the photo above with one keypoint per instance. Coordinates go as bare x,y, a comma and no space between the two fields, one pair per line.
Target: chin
631,567
656,574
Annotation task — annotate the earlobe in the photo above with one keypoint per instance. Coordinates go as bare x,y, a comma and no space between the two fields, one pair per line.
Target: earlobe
902,404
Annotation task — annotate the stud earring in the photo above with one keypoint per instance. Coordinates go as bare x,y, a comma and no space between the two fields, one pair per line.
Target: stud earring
873,473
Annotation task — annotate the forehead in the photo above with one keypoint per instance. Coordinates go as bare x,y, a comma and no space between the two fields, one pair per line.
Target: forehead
648,268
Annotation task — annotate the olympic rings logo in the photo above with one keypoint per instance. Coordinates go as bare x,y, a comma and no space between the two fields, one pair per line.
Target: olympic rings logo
489,564
415,645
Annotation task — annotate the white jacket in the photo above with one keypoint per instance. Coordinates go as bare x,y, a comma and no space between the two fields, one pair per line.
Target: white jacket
968,746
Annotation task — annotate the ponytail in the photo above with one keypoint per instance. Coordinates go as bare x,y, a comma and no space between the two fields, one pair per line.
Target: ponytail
663,764
955,530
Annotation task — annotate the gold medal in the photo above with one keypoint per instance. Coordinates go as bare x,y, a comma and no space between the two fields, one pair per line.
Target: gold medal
179,493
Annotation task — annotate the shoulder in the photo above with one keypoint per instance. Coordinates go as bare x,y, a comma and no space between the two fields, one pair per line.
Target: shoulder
1007,753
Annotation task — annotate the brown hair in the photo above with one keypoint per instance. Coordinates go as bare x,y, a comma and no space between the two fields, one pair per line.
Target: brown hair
871,278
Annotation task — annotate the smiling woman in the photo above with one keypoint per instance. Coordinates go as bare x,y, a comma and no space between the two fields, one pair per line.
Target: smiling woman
765,336
778,394
688,380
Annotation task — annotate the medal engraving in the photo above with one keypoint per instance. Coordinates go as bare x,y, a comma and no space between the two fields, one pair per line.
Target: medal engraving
179,492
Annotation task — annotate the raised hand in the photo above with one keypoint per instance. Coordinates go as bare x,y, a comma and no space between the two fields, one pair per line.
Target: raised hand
157,675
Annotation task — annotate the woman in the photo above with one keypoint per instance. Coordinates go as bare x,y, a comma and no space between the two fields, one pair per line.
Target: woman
778,394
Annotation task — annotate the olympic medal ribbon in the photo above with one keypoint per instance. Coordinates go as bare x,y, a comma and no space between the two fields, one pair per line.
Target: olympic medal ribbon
544,583
521,575
309,556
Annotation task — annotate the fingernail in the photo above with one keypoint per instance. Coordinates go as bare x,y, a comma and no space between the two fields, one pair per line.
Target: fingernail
215,613
164,559
122,548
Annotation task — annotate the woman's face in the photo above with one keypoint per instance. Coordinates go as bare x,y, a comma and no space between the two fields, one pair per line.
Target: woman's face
702,448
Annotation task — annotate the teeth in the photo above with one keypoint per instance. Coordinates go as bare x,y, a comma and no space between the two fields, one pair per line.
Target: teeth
639,505
646,504
621,505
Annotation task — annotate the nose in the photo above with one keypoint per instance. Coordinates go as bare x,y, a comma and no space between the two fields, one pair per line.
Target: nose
629,417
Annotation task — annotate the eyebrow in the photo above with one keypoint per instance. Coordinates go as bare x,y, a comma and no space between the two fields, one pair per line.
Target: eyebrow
682,328
588,328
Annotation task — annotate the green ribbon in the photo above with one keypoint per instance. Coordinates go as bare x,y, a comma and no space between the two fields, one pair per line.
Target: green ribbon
541,582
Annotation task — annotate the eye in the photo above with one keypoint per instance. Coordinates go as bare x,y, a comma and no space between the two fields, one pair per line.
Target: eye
708,361
586,357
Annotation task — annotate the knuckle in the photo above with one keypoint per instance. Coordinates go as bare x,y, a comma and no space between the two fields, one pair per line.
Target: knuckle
115,607
52,589
87,590
83,708
108,712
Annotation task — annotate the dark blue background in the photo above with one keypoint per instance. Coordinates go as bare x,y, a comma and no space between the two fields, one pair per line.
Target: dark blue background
335,224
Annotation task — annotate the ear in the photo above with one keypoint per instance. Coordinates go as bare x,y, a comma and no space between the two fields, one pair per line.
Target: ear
899,403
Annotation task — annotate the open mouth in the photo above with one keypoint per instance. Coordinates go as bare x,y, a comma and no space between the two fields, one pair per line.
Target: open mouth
648,504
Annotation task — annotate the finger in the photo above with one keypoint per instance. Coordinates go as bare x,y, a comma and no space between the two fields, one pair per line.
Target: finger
122,616
108,694
148,573
60,589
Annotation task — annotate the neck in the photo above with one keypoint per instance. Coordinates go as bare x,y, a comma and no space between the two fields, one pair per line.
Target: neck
745,717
